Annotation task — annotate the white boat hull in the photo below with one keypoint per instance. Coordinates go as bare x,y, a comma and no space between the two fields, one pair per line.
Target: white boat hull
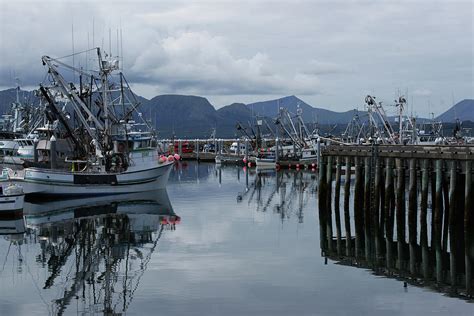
49,182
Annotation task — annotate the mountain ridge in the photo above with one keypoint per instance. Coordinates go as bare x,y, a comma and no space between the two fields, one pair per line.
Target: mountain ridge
190,116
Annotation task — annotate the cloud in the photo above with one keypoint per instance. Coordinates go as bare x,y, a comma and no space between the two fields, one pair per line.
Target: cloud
423,92
317,67
234,51
199,61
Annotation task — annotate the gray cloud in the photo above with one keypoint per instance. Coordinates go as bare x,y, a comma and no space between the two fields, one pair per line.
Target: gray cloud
330,52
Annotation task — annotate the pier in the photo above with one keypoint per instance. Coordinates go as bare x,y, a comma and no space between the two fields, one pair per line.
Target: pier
413,211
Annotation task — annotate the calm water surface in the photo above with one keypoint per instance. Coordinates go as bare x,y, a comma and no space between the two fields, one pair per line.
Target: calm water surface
220,241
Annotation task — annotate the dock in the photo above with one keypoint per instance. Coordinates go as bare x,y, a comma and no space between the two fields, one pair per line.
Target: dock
413,211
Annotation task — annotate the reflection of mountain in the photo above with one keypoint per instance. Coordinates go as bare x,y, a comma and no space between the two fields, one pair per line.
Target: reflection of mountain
189,171
285,192
95,251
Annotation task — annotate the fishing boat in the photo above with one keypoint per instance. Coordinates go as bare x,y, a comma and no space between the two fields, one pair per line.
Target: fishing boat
11,198
108,148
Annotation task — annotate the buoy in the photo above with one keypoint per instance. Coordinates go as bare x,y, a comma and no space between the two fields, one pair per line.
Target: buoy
176,157
277,166
162,159
170,158
313,170
245,160
249,164
289,166
313,165
297,166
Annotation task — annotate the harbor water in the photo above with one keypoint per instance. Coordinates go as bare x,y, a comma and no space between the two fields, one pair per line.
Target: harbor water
219,241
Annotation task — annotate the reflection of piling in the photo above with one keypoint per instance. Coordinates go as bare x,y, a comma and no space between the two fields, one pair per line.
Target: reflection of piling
337,193
347,218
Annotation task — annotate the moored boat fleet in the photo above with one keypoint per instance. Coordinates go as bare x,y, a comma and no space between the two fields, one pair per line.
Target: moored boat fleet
84,138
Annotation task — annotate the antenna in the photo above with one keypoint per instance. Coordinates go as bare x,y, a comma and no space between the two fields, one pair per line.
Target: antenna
455,110
118,51
87,51
121,44
93,31
110,42
73,59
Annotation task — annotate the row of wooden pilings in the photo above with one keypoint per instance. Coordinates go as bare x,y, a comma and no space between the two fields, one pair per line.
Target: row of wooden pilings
440,207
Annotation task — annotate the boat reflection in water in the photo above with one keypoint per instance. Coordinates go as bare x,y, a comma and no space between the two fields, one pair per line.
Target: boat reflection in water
95,251
285,192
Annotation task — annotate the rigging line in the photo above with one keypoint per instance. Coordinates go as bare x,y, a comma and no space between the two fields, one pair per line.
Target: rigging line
74,54
6,257
36,286
146,261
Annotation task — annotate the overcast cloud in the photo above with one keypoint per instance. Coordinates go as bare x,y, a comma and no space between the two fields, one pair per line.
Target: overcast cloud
329,53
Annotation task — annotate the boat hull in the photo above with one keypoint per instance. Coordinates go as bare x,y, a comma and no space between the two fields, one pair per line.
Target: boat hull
265,163
38,181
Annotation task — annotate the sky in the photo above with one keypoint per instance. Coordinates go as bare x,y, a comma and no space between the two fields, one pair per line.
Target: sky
331,54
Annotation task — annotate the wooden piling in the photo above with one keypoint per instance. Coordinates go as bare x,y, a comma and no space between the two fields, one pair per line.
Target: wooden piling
452,224
400,210
438,220
329,204
388,211
358,207
376,212
367,215
337,195
412,215
423,220
445,213
347,217
468,206
322,205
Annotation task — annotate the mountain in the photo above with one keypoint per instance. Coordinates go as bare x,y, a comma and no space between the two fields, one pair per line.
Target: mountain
309,113
463,110
181,115
8,96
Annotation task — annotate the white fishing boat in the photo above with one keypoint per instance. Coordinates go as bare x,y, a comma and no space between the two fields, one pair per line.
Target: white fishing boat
11,198
103,150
